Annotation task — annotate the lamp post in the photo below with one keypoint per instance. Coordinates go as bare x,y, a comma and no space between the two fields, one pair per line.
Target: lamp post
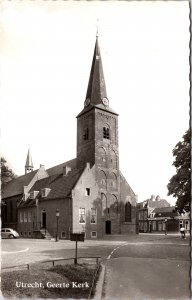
57,216
165,226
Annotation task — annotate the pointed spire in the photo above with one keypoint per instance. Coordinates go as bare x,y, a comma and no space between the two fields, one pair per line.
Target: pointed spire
96,90
29,162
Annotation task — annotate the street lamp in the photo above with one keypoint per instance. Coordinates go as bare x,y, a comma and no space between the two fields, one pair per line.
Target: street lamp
165,226
57,216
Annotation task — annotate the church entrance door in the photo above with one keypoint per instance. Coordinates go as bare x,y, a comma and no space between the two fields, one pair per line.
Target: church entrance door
108,227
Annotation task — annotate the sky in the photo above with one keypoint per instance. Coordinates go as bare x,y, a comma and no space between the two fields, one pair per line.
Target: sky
46,54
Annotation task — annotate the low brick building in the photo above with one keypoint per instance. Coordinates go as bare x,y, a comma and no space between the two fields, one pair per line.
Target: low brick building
168,220
89,193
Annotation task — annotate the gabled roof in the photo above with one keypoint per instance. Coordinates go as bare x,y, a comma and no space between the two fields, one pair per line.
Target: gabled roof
165,212
15,186
60,186
59,168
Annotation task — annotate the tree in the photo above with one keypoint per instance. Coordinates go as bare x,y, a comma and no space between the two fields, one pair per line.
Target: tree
179,185
6,173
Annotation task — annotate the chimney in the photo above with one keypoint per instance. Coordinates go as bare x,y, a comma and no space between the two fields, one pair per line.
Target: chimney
66,170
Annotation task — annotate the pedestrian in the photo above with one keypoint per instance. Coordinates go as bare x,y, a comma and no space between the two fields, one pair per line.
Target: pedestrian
182,231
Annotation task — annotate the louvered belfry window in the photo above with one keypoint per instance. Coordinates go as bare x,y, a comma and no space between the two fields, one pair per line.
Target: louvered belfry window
106,133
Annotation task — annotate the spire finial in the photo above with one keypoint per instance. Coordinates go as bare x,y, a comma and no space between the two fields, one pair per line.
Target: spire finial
97,26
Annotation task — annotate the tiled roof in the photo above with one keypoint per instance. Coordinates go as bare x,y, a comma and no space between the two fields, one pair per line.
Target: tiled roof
15,186
59,168
158,203
61,186
165,212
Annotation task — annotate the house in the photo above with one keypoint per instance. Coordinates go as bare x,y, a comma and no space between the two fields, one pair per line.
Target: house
89,193
16,191
167,219
144,210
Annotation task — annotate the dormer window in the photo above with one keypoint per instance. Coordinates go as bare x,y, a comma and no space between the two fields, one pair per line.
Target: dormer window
86,134
33,194
45,192
106,133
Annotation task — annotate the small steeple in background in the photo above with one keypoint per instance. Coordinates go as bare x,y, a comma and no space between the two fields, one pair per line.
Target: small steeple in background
29,163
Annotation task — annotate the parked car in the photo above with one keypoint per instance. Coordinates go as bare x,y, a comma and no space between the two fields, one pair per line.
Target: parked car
9,233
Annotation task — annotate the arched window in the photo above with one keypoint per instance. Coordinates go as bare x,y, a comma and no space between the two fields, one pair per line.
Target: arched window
104,203
101,156
106,134
128,212
113,180
103,179
113,159
114,204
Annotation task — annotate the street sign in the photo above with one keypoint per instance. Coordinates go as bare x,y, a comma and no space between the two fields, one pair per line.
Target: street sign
79,237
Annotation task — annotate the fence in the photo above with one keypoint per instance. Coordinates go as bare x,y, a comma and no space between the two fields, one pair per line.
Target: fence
55,260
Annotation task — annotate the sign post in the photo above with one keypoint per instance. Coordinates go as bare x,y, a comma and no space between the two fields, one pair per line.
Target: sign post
77,237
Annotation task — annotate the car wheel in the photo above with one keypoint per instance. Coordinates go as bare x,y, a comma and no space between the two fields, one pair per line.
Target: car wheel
11,236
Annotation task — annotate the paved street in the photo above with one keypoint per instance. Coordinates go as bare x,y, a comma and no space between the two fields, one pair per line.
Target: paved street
148,271
137,267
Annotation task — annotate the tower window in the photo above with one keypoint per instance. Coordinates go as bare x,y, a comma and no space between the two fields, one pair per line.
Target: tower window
106,133
86,134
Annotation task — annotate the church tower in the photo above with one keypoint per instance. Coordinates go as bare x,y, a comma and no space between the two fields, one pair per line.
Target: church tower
97,134
29,162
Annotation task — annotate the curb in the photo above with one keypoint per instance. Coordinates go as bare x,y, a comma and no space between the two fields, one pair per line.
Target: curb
100,283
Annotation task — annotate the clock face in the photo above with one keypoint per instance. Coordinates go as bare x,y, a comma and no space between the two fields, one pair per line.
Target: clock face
105,101
87,101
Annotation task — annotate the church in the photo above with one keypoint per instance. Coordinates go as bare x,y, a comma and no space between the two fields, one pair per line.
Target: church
87,194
